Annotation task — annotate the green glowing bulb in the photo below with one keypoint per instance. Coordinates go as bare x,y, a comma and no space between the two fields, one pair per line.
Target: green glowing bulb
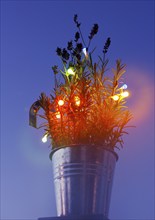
70,72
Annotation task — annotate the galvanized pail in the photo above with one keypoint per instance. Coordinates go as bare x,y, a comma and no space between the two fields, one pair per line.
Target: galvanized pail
83,177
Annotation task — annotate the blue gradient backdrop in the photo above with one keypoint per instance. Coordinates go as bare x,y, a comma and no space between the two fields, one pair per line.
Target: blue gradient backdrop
30,33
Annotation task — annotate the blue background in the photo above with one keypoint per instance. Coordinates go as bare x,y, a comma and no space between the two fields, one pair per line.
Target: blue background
30,33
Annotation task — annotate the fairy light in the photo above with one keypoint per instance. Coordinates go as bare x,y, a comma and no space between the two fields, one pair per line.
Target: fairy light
77,100
115,97
70,71
61,102
125,94
44,139
84,50
124,86
58,116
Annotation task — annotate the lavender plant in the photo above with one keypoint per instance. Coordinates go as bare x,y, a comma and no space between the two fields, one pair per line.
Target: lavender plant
87,106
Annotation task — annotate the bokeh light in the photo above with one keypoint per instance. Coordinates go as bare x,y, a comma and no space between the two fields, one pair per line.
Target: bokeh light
61,102
115,97
142,95
44,139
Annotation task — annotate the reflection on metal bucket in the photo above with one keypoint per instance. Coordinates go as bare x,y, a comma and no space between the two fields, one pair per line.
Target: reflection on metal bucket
83,177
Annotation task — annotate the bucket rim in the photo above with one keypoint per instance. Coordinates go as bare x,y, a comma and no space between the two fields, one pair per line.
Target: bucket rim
83,145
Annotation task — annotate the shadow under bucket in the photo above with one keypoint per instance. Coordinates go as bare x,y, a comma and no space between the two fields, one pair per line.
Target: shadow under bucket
83,177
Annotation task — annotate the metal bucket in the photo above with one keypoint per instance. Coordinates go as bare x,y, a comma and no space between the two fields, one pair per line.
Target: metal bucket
83,177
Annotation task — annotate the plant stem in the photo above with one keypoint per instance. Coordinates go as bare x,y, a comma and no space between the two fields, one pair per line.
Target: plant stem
82,36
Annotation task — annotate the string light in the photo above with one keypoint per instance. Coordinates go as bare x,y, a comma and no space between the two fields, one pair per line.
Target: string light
44,139
84,50
124,86
125,94
61,102
58,115
77,100
70,71
115,97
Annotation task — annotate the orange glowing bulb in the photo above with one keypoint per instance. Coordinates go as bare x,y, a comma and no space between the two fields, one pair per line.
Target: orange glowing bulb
115,97
58,116
77,100
60,102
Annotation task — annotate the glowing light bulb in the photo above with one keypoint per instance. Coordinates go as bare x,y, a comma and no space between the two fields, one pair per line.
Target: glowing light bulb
77,100
44,139
124,86
125,94
61,102
58,115
70,71
84,50
115,97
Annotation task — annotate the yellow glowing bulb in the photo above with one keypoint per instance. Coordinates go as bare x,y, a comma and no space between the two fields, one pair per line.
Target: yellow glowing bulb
115,97
125,94
70,71
77,100
44,139
58,115
60,102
